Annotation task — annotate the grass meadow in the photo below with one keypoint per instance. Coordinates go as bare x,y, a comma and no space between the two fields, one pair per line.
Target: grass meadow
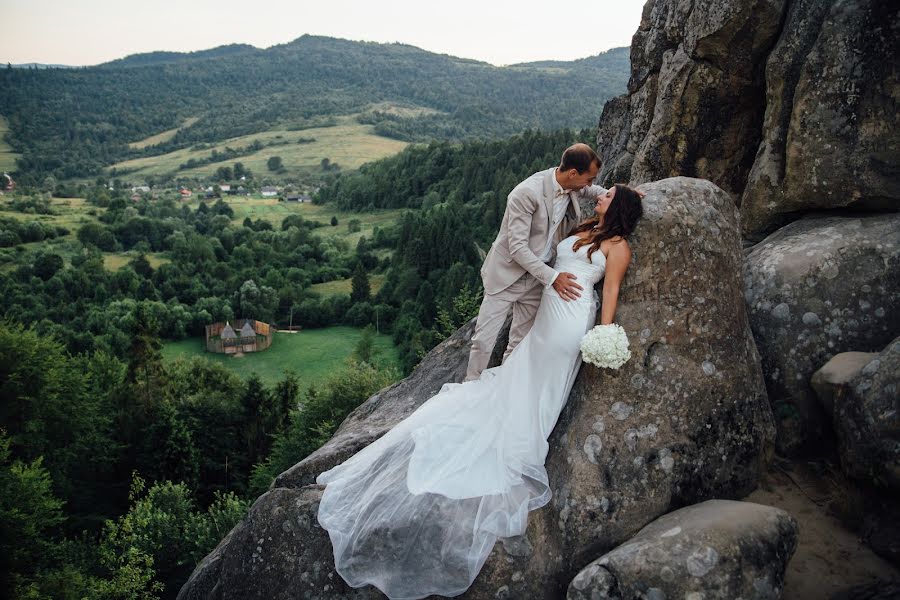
72,213
7,156
347,143
312,354
165,136
345,286
270,209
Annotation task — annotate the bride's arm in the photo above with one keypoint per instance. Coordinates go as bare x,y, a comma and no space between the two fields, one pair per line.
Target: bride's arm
616,265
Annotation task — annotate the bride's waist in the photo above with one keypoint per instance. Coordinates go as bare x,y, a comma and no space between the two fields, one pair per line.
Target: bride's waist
588,294
578,267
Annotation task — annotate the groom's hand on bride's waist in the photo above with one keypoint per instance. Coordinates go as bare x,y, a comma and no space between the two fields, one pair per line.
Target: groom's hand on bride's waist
565,286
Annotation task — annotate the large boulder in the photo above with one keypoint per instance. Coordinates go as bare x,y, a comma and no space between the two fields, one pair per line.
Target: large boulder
696,94
867,420
837,374
716,549
866,417
815,288
830,132
277,552
686,419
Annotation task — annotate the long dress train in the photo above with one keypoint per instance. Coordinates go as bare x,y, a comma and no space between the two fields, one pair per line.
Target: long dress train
418,511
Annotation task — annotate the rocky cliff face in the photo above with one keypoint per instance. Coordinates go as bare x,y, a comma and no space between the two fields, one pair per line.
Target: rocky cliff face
696,97
793,106
790,104
831,134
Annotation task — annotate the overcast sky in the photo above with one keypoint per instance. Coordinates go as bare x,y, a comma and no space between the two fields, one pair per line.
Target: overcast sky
86,32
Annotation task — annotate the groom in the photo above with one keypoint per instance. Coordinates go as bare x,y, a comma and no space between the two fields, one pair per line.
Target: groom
540,211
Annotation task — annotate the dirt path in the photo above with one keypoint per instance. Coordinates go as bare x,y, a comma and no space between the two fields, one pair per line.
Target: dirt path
829,556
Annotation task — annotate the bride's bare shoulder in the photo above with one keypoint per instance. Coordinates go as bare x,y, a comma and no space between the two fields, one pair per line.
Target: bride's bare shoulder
617,242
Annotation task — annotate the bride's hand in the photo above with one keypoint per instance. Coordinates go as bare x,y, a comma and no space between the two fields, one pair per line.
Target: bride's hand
565,286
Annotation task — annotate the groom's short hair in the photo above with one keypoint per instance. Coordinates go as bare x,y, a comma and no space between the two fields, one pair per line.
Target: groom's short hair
579,157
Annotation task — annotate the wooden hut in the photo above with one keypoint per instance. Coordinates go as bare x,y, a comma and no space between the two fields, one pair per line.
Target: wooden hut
229,339
247,337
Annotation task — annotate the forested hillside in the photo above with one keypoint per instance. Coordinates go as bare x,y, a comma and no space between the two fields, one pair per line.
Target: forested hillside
461,191
119,470
73,122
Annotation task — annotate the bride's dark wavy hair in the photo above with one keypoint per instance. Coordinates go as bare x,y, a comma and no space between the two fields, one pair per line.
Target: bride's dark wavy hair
620,219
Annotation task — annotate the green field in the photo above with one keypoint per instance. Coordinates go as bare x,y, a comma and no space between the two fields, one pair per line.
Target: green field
312,354
273,211
72,213
7,156
345,286
348,143
165,136
113,261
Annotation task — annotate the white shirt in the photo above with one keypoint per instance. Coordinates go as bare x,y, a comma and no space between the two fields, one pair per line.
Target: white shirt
560,203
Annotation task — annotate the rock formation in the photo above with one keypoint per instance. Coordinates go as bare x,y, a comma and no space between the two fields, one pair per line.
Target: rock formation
717,549
866,416
860,392
685,420
830,134
815,288
790,104
696,96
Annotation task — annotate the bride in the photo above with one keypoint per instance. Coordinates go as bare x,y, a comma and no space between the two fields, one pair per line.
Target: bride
418,511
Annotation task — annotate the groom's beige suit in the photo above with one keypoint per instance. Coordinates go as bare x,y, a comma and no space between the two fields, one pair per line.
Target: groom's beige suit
539,214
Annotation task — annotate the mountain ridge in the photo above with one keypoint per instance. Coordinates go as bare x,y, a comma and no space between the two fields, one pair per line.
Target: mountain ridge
72,123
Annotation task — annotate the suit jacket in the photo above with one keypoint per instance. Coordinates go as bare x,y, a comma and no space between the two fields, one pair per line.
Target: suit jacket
524,231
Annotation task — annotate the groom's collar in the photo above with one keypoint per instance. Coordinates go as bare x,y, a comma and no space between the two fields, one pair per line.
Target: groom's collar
557,189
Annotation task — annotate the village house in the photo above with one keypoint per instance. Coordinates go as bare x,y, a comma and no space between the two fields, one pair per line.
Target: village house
269,191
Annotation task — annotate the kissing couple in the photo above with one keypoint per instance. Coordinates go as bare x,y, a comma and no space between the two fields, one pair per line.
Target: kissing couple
418,511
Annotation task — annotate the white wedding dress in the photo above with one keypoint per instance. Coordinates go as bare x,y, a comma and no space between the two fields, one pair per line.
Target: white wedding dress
418,511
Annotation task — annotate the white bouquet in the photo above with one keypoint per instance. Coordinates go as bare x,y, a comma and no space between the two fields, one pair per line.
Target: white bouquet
605,346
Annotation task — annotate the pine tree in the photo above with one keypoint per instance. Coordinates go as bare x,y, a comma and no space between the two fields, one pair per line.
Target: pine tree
361,291
365,347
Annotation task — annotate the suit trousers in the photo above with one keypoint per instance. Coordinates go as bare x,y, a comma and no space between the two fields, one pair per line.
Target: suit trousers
524,297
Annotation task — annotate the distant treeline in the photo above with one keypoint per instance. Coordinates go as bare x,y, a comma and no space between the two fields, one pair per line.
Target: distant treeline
73,122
